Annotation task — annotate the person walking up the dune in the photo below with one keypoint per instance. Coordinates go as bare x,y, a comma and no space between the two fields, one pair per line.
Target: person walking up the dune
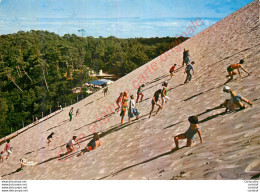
231,69
70,113
118,101
1,156
189,134
165,98
186,57
49,138
71,144
93,144
172,70
140,92
132,111
155,100
8,148
77,112
124,107
235,99
105,91
188,71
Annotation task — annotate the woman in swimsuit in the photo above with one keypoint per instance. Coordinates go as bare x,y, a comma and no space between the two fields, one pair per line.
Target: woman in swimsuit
189,134
124,107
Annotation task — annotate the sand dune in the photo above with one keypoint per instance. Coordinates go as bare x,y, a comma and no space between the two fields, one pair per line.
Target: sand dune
142,149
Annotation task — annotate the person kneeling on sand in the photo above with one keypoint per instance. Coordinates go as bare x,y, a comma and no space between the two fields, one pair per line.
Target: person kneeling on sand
70,145
189,134
236,100
93,144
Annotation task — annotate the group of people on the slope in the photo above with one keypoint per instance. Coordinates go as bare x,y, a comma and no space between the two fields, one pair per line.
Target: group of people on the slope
7,149
71,113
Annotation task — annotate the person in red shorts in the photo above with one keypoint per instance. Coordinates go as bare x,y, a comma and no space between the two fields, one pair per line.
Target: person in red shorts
172,70
93,144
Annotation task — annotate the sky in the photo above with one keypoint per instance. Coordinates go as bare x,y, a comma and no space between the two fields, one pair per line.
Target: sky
119,18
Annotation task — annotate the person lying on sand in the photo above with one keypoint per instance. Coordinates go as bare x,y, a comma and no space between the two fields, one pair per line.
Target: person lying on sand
93,144
235,100
189,134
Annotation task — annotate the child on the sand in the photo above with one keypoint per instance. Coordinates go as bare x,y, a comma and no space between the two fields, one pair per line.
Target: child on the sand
70,113
49,138
77,112
93,144
231,69
155,100
118,101
8,148
165,98
1,156
235,99
189,134
70,145
132,111
172,70
140,92
124,107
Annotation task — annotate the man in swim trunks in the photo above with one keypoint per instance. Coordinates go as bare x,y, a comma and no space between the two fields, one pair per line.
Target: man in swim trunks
189,134
231,69
172,70
235,99
155,100
139,92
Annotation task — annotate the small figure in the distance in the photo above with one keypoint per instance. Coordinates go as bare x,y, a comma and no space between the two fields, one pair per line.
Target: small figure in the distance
49,138
1,156
172,70
105,91
77,112
71,113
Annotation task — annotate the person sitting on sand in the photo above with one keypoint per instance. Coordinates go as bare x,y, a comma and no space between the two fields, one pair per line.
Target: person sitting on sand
118,101
235,100
124,107
172,70
132,111
189,134
165,98
155,100
1,156
140,92
8,148
93,144
231,69
70,145
49,138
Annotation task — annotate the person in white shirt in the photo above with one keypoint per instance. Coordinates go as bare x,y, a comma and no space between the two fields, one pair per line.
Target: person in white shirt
132,111
70,145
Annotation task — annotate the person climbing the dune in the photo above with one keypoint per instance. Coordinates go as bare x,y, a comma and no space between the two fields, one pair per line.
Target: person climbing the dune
231,69
124,107
8,148
132,111
105,91
77,112
236,100
189,134
155,100
71,113
70,146
140,92
118,101
186,57
188,71
1,156
93,144
172,70
49,138
165,98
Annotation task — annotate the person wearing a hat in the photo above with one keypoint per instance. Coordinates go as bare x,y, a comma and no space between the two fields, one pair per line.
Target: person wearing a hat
236,100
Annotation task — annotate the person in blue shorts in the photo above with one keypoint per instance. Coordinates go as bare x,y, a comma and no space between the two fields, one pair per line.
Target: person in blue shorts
189,134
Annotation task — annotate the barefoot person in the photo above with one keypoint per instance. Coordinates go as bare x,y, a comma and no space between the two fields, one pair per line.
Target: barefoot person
189,134
172,70
70,113
8,148
235,100
93,144
1,156
155,100
165,98
132,111
186,57
124,107
140,92
77,112
231,69
118,101
188,71
49,138
71,144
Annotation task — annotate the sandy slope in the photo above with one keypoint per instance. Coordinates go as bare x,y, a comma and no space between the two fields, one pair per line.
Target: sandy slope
141,149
